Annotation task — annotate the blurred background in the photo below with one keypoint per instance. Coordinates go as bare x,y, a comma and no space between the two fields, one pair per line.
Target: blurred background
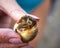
51,35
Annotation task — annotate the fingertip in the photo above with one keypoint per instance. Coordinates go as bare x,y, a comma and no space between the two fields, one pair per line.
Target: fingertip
35,17
15,41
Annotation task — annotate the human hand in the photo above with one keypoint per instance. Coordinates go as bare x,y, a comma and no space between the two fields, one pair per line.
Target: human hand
11,8
8,37
14,11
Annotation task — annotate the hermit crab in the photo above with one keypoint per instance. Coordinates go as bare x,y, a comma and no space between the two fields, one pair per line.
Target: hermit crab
26,27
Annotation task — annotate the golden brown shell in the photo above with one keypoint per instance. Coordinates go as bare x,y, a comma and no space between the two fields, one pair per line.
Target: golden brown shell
27,28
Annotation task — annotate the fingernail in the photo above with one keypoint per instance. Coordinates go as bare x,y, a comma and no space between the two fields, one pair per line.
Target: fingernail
37,18
15,41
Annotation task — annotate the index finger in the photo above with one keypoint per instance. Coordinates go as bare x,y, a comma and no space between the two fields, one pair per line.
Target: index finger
13,9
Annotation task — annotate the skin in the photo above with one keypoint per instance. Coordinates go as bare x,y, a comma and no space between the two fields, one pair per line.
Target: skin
6,34
9,10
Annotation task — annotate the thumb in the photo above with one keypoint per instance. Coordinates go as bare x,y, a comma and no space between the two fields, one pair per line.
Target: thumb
9,36
12,9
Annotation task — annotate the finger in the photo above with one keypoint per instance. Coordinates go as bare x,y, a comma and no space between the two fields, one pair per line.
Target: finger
14,10
9,36
5,45
33,16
